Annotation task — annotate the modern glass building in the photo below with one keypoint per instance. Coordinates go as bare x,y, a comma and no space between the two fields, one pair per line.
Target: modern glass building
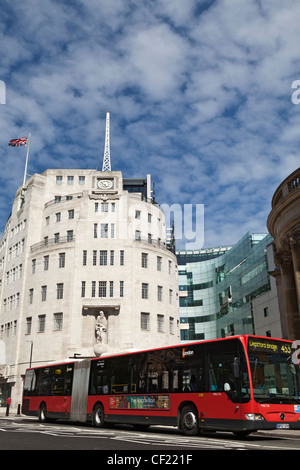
217,288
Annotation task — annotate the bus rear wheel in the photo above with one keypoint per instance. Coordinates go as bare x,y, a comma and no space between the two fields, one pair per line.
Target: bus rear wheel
189,421
98,416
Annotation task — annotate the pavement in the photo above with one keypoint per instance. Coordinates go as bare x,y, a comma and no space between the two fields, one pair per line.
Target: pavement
279,433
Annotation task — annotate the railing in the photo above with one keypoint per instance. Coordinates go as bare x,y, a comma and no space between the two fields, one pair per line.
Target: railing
51,242
291,183
68,197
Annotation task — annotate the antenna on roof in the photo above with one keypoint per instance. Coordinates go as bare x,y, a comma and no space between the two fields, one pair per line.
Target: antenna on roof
106,158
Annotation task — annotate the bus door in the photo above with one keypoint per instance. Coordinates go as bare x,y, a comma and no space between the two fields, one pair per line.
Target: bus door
228,385
80,391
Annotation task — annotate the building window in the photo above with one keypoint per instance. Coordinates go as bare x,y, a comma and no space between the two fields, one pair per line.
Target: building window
71,213
138,235
59,179
102,289
93,288
58,217
144,260
57,321
171,325
28,325
59,291
104,206
122,258
103,257
69,235
81,179
159,263
268,333
121,288
61,260
95,230
170,296
145,321
112,257
46,263
159,293
112,230
137,214
70,180
56,238
44,293
111,288
170,267
41,323
33,266
83,284
160,323
104,230
149,217
96,206
145,288
266,312
31,296
94,257
84,257
149,238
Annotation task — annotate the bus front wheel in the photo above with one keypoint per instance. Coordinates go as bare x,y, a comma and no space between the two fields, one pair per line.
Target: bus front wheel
98,416
189,421
43,413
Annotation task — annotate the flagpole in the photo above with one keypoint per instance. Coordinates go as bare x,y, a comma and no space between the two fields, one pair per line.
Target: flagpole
26,163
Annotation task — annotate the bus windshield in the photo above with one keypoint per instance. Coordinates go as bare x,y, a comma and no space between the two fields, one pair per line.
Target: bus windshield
275,377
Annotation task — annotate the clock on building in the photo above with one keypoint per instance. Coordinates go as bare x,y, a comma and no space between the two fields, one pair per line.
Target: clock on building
105,184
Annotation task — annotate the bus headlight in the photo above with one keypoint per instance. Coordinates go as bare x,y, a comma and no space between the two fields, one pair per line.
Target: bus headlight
254,417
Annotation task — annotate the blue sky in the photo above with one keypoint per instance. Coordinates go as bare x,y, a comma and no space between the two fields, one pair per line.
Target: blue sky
199,93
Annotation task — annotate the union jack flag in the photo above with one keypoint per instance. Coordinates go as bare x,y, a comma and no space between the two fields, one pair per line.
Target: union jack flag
18,142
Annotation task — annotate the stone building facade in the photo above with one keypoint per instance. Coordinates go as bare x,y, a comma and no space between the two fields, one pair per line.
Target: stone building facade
284,226
84,270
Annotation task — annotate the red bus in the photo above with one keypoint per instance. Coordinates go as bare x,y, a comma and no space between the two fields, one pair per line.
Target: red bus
240,384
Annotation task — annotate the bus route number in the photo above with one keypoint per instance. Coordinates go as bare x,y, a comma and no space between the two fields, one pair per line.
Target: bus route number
286,349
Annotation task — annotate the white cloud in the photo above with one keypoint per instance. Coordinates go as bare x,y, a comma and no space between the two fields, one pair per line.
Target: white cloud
199,94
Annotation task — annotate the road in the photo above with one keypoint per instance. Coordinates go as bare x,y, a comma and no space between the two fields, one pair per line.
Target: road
23,433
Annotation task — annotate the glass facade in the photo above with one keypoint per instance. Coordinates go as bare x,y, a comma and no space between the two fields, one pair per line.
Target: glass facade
217,286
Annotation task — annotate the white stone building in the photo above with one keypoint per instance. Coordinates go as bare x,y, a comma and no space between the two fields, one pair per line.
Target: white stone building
77,243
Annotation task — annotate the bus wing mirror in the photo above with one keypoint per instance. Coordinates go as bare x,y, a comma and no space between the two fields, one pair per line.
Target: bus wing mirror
235,366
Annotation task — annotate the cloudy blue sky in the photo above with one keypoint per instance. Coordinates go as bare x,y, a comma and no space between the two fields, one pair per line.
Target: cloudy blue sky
199,93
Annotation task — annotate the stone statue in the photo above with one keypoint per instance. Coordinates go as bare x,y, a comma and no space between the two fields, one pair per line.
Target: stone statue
101,334
101,329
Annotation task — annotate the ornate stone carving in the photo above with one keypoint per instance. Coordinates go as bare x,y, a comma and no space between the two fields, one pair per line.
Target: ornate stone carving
283,257
293,238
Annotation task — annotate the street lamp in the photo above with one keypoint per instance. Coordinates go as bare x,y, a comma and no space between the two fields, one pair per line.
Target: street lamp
31,348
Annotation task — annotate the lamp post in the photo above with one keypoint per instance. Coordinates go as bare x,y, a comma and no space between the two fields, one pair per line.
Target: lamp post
31,349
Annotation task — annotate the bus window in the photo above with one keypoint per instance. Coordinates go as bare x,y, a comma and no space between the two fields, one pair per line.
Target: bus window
120,375
100,377
188,369
30,382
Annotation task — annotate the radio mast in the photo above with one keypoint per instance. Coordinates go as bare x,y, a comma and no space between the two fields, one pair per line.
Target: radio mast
106,158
